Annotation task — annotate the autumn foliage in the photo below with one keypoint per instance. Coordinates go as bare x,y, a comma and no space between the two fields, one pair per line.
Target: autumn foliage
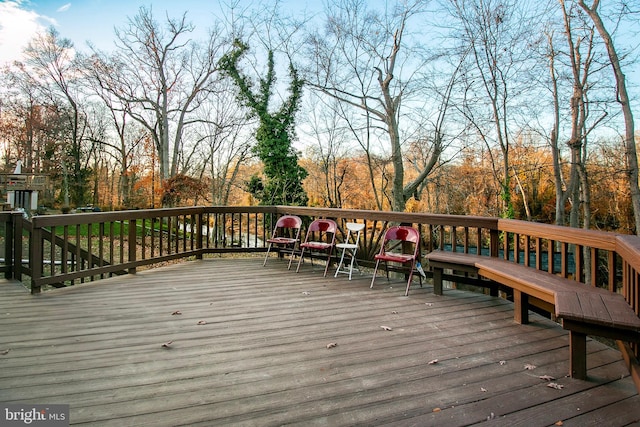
182,189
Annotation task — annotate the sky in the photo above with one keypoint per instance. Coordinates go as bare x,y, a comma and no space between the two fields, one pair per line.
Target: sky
94,20
78,20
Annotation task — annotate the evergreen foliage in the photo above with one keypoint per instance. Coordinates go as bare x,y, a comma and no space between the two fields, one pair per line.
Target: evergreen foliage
282,184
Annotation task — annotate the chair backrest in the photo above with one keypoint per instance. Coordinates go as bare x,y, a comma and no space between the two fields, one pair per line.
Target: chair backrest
288,222
353,228
323,226
402,233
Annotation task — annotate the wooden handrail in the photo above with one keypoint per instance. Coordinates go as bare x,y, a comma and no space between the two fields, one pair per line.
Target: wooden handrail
574,236
628,247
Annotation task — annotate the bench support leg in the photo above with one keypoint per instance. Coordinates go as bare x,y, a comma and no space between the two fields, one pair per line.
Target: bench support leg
437,280
578,355
521,307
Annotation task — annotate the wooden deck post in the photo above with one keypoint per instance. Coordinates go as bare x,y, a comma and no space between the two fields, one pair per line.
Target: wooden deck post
35,259
132,244
578,355
494,242
437,280
521,307
9,236
199,239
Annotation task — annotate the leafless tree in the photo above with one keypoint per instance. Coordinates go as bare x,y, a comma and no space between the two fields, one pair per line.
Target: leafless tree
554,135
329,151
129,134
21,107
582,59
52,58
622,97
223,142
365,60
499,34
161,76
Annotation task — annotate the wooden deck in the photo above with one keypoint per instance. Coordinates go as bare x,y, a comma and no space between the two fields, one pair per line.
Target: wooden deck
250,348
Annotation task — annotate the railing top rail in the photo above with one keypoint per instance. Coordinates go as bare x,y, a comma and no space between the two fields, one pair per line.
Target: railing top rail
578,236
5,215
410,217
628,247
96,217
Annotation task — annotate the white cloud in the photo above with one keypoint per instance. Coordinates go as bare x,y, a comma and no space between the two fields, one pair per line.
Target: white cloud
64,8
17,28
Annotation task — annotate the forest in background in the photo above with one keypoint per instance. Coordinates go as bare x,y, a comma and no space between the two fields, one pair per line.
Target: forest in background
482,107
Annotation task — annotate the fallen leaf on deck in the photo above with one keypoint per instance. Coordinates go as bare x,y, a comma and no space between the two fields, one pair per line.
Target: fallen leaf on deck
503,362
556,386
167,344
559,423
491,416
386,328
394,312
482,389
4,352
436,410
306,293
332,345
529,367
428,304
202,322
433,362
175,313
546,377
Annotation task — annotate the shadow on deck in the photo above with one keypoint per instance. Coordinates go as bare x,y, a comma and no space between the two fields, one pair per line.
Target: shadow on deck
249,347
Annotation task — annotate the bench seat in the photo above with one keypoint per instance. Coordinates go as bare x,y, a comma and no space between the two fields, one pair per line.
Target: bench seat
583,309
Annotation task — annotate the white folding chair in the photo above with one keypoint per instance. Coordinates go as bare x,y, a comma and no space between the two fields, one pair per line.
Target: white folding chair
350,246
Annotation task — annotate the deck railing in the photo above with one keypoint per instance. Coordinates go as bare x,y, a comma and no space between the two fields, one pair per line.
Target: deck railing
63,250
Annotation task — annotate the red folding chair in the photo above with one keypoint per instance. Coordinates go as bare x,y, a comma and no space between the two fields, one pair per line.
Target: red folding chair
286,234
324,233
394,237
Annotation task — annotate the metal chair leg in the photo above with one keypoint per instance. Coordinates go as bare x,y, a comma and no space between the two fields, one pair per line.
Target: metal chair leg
340,263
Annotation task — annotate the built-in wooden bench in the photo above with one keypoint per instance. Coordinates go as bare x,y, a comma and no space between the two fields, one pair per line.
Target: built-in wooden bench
582,309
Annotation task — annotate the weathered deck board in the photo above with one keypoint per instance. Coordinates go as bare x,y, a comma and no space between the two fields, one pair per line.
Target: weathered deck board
261,358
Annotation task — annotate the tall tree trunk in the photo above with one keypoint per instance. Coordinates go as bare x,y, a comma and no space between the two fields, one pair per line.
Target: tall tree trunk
553,138
631,155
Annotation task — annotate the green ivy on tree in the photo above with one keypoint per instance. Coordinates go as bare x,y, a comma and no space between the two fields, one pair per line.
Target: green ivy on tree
276,130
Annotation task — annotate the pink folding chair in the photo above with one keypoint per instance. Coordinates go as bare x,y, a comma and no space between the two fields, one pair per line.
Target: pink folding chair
286,234
324,233
393,237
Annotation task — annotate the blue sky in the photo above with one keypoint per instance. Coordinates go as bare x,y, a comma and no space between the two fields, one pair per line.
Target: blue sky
94,20
87,19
